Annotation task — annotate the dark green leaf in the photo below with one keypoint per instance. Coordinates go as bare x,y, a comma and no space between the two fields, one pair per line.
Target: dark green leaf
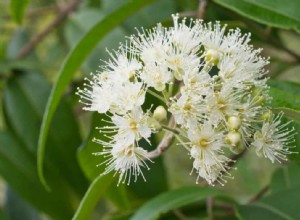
17,209
25,100
172,200
286,98
73,62
97,189
17,167
266,12
17,9
280,205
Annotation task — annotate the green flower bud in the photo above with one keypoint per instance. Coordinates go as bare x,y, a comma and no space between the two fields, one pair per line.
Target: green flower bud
212,57
160,113
234,123
233,138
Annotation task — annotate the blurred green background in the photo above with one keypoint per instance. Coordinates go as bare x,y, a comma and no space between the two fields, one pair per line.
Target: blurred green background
40,41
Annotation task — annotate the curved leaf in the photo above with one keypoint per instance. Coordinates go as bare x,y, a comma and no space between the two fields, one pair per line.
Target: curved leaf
73,62
172,200
97,188
283,205
266,12
286,98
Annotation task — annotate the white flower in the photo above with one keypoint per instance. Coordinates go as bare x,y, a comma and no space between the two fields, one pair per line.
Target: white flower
222,104
156,76
185,38
98,94
125,160
206,149
273,140
212,82
121,67
131,127
128,96
188,109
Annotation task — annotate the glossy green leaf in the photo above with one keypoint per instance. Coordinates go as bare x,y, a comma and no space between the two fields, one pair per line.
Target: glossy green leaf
283,205
286,98
17,9
172,200
266,12
17,167
289,10
73,62
25,98
97,189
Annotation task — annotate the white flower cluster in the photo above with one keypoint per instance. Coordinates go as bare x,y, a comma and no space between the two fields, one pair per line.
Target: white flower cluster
211,81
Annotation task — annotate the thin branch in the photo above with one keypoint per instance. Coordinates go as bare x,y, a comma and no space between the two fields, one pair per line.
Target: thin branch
165,143
260,194
65,11
202,9
209,207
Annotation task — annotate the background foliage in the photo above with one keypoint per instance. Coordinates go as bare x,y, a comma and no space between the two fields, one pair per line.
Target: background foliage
48,47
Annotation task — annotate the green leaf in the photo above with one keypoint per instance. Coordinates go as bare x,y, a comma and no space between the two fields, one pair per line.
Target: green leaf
118,196
17,167
280,205
172,200
286,98
286,177
17,9
274,13
25,98
97,189
73,62
17,209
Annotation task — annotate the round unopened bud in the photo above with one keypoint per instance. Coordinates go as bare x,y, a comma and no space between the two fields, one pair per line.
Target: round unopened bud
238,148
160,86
233,138
160,113
267,115
234,123
212,56
154,124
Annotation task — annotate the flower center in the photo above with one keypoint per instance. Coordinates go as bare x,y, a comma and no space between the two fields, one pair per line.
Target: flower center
187,107
203,142
133,125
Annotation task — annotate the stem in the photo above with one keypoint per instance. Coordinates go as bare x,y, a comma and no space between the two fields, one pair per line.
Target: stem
209,207
40,36
165,143
202,9
170,129
156,95
260,194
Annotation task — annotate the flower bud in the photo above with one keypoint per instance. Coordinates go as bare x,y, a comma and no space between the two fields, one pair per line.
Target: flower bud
233,138
160,113
267,115
154,124
212,56
238,148
234,123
